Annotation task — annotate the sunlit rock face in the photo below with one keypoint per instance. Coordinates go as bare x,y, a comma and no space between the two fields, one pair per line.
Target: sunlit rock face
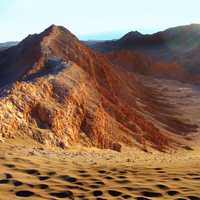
61,93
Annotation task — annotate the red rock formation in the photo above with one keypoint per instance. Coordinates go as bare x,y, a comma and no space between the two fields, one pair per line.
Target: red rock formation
68,94
134,61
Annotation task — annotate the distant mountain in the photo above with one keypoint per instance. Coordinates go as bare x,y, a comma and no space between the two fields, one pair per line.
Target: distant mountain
59,92
6,45
177,46
131,36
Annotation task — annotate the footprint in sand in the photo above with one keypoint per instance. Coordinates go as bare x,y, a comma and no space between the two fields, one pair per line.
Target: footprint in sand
17,183
62,194
172,193
24,193
151,194
9,165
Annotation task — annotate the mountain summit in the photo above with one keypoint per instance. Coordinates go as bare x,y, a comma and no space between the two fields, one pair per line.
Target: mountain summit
130,36
31,54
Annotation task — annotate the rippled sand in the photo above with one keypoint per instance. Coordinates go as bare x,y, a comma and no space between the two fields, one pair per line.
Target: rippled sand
36,173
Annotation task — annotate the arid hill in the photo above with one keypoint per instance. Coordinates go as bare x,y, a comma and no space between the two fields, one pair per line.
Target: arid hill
164,54
59,92
134,61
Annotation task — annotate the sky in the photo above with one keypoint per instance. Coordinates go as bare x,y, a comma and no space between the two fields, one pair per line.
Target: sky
94,19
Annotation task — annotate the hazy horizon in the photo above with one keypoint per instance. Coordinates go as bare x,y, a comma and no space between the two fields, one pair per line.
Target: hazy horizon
112,35
91,20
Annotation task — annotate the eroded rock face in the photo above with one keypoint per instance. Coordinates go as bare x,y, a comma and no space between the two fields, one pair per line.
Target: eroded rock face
58,110
79,97
55,110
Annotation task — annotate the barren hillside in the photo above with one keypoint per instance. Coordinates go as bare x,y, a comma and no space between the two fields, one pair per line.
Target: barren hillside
59,92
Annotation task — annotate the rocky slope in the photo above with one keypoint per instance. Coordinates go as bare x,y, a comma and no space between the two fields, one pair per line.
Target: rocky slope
134,61
173,51
59,92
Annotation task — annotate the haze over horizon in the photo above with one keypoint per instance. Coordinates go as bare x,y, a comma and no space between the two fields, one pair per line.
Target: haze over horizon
93,19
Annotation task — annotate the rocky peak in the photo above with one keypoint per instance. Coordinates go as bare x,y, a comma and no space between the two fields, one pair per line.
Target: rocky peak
132,35
31,54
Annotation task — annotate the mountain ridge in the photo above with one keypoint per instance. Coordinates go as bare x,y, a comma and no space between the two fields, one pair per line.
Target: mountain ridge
175,46
63,93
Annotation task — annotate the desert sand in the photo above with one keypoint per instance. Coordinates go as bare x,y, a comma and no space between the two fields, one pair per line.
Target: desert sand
33,172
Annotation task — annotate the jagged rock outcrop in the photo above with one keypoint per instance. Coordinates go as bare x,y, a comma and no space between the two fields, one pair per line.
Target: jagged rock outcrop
61,93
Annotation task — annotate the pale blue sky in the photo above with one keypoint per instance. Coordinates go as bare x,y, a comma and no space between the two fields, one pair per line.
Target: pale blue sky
85,18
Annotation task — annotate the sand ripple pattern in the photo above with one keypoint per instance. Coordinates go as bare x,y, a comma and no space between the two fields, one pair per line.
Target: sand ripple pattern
25,179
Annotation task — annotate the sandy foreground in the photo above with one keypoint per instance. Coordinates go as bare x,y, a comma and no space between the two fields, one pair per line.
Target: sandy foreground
33,172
